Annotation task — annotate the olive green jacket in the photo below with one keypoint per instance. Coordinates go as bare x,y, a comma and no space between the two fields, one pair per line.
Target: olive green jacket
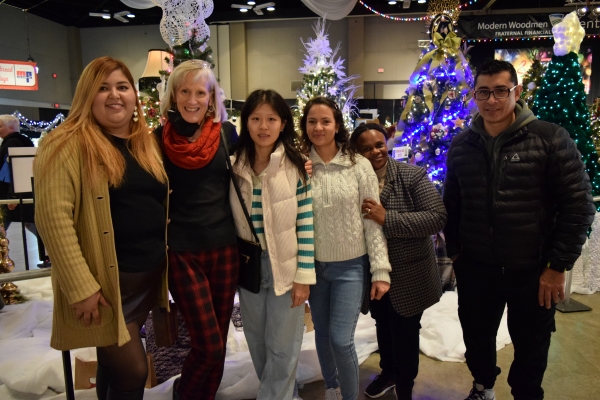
74,221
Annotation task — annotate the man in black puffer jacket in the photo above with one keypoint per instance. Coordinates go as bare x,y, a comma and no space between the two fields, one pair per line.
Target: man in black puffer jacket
519,206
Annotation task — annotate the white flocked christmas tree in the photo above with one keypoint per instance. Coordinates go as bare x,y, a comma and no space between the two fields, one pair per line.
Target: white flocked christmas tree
324,75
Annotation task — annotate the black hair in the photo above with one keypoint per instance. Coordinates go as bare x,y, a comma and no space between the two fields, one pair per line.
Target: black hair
493,67
342,135
362,128
245,144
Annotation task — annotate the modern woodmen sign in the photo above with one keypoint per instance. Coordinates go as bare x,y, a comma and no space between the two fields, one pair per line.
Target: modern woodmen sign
517,25
18,75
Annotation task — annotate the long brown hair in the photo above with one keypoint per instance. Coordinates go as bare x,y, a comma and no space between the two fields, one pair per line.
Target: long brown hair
342,136
99,154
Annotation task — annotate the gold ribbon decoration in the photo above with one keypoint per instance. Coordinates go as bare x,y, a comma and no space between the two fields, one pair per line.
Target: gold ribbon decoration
448,45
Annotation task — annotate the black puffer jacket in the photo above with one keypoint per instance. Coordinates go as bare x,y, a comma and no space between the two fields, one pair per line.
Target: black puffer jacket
519,200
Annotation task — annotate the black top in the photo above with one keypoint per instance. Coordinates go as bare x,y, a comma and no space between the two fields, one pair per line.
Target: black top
199,209
138,216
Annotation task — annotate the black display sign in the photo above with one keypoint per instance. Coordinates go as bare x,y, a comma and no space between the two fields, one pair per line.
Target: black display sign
516,25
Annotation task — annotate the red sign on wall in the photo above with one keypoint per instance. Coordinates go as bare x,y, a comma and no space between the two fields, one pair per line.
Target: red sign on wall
18,75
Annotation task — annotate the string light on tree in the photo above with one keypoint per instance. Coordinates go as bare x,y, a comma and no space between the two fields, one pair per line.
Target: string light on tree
436,101
533,78
561,98
324,76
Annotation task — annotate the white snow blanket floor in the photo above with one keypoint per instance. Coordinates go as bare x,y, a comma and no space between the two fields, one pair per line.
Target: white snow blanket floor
30,369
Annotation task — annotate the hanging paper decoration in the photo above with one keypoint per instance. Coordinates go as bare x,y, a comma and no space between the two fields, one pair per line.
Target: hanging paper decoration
181,18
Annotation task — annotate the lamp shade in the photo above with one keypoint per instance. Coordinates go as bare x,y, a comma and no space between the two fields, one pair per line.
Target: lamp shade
156,62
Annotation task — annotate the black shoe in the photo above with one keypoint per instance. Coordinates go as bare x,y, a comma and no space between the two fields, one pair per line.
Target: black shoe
175,387
379,386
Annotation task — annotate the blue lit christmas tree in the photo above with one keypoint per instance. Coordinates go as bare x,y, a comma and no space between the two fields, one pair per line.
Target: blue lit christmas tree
561,98
437,101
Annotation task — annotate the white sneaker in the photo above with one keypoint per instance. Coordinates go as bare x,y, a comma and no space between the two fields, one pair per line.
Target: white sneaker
333,394
479,393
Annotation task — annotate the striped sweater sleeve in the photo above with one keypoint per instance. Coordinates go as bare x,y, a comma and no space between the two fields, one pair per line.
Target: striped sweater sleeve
305,274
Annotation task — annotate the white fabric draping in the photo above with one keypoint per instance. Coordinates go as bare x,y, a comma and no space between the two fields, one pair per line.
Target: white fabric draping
331,9
139,4
586,271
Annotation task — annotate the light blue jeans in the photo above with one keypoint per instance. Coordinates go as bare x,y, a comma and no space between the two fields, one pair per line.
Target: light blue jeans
335,303
274,333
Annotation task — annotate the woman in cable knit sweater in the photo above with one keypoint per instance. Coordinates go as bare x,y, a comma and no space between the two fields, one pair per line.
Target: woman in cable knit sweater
276,192
345,244
101,194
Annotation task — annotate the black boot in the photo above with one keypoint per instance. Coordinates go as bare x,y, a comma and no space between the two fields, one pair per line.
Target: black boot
116,395
175,387
103,378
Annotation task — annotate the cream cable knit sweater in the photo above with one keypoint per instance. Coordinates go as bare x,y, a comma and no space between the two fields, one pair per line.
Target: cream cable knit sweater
341,233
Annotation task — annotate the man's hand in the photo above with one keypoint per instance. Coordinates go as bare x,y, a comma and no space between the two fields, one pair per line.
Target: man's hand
372,210
87,309
552,287
300,294
12,206
378,289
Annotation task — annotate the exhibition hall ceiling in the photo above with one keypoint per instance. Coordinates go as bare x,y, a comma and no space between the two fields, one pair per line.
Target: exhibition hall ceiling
77,12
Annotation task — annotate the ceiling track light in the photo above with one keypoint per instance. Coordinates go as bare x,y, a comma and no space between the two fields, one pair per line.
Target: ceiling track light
258,9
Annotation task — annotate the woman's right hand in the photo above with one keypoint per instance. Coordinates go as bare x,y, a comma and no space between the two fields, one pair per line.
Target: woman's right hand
87,309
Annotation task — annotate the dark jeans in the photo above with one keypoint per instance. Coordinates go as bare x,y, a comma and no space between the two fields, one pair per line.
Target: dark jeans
398,340
483,291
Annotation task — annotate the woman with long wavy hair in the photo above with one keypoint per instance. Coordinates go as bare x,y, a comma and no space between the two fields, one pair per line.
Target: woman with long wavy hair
101,193
345,244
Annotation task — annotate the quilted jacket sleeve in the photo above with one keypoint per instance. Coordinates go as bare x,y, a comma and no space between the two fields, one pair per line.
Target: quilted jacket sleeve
571,191
451,197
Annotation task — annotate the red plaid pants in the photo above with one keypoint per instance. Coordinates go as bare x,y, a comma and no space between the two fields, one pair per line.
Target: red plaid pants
203,285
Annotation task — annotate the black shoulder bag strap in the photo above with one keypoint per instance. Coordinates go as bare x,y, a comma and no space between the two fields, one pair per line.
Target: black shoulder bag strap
237,188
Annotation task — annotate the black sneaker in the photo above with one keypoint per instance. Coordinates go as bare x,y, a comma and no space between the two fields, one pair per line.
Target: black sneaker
379,386
479,393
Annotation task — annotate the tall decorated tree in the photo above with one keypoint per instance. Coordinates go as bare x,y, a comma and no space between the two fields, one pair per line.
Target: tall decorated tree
595,124
532,81
324,76
561,98
436,108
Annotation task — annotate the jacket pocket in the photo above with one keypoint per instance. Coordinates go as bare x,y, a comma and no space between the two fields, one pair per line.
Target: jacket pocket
69,318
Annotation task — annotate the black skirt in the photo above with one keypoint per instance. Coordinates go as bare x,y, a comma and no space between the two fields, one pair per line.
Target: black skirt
139,292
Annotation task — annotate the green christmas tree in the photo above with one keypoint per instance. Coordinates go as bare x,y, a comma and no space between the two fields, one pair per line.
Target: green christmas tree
193,49
595,124
324,76
532,81
561,100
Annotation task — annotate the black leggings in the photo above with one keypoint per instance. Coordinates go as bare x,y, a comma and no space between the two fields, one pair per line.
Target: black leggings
124,369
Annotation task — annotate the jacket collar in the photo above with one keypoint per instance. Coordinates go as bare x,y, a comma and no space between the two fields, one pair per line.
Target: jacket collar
244,168
339,159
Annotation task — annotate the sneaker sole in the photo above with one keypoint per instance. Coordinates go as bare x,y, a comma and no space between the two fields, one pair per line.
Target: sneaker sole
380,394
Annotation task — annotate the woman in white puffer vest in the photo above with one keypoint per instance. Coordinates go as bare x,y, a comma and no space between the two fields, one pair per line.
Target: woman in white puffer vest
276,191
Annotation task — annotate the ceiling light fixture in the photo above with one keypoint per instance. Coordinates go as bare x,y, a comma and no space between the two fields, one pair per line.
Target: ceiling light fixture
120,16
421,1
270,6
392,2
130,15
103,15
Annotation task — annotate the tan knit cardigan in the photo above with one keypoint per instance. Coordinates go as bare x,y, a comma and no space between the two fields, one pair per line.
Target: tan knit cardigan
75,224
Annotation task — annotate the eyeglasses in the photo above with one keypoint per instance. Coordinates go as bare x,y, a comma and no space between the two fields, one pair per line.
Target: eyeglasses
500,93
